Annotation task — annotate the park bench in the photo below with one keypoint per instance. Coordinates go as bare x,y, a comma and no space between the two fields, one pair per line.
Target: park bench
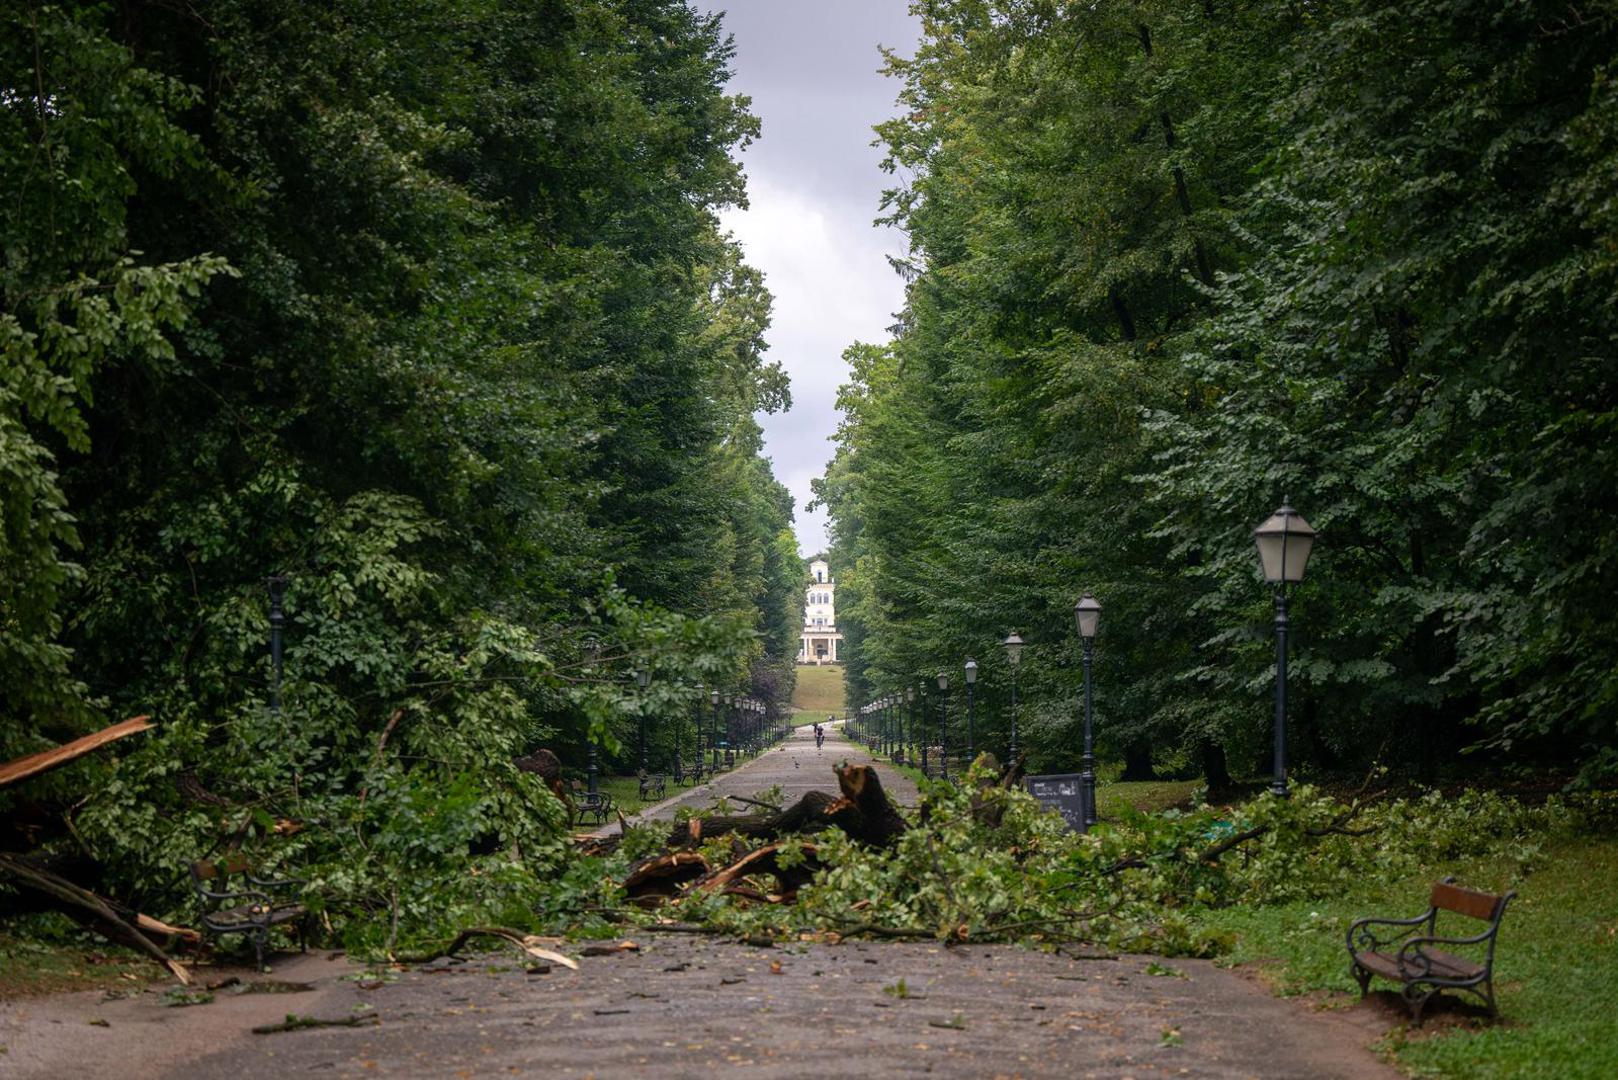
652,785
1409,957
597,804
253,910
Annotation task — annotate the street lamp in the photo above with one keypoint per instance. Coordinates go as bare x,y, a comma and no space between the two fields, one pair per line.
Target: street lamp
713,739
1086,616
643,679
943,724
592,654
910,715
1013,645
277,585
1284,541
971,681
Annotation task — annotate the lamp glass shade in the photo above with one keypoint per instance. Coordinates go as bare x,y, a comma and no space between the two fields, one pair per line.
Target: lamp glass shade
943,680
713,696
643,678
971,672
1284,541
1087,615
1013,644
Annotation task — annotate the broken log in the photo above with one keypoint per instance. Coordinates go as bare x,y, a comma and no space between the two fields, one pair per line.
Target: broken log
863,812
94,911
877,822
34,764
809,814
664,875
764,861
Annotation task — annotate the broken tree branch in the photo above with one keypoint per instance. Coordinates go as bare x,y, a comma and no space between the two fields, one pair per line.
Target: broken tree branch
34,764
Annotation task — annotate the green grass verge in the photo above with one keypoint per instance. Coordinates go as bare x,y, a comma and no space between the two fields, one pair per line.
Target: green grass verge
1556,967
819,689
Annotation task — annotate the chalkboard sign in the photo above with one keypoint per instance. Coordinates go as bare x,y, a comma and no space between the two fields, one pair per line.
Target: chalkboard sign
1062,792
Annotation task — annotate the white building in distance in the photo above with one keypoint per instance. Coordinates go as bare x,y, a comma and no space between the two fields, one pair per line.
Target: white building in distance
820,643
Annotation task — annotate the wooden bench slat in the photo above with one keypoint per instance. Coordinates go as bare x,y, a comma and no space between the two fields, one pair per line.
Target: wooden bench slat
245,915
1470,902
1444,965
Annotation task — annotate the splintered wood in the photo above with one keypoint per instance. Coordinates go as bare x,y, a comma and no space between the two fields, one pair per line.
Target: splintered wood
34,764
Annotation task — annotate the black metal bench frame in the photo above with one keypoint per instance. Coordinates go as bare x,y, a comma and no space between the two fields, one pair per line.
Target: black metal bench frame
652,783
1422,969
598,804
257,911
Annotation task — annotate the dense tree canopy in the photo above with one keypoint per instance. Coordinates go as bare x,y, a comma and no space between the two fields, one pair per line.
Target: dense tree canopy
1173,263
424,305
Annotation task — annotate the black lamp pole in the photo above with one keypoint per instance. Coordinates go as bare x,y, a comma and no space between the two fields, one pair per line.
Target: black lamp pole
971,738
1284,541
1278,784
1013,644
1087,617
943,725
278,588
592,653
643,679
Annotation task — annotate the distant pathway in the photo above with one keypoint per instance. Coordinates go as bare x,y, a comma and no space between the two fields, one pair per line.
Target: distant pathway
795,766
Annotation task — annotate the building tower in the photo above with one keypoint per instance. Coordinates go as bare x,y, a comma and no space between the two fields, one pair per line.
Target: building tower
820,643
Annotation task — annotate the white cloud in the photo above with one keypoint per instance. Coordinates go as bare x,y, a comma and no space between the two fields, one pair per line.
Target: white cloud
826,266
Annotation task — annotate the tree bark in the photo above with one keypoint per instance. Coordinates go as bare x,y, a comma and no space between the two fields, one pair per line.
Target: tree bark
1138,761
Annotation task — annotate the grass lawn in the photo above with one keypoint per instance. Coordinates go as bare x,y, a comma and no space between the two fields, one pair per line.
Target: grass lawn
819,689
1148,795
1556,967
805,717
40,955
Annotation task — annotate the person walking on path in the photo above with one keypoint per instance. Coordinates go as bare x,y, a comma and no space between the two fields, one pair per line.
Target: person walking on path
820,735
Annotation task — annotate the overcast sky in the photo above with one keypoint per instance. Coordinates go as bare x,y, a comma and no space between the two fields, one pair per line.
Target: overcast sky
814,185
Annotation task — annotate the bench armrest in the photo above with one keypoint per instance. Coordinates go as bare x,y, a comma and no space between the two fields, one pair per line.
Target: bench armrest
1361,938
1413,955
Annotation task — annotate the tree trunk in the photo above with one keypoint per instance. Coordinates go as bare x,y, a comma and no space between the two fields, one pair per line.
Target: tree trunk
863,812
1215,769
1138,761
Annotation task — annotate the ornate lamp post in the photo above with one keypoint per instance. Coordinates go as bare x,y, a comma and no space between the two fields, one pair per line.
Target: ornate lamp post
713,736
1284,542
943,724
643,679
1086,616
725,742
1013,645
910,713
890,711
592,655
971,738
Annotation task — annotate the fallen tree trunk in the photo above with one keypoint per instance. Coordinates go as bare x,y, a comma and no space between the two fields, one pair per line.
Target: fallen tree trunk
88,908
863,812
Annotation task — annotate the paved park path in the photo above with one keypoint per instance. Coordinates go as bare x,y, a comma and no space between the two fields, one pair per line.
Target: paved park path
795,766
689,1006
